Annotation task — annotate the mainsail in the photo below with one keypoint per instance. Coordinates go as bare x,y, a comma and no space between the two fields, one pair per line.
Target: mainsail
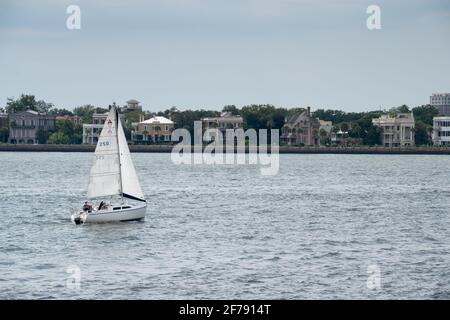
112,171
104,179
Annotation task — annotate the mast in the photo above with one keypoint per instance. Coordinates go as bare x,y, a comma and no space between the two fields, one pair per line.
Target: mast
118,150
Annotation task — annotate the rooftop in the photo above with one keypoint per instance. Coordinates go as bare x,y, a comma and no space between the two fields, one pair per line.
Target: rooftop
400,117
224,117
158,120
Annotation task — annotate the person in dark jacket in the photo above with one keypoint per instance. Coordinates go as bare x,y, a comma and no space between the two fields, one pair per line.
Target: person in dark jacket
87,207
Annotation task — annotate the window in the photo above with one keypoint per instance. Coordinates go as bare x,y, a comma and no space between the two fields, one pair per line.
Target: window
166,128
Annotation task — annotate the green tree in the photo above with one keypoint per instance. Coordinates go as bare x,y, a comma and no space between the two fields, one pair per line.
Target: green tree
401,109
65,126
421,133
425,114
355,131
77,136
58,138
87,111
323,136
25,102
4,134
131,117
344,127
373,136
42,136
263,116
231,109
61,112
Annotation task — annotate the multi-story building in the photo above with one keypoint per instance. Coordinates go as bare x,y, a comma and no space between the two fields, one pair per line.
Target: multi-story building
91,132
441,131
441,101
301,128
24,126
224,122
154,130
397,131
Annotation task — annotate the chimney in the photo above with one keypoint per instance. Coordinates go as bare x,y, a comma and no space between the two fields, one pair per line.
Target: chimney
309,111
141,117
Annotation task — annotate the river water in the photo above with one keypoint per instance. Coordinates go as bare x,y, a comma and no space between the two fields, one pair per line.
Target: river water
326,226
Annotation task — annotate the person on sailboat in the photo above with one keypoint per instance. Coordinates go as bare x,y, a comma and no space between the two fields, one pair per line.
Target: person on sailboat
87,207
102,206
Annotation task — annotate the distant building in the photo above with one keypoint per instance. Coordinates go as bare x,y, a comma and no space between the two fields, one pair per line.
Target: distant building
24,125
76,120
224,122
441,101
326,125
132,105
441,131
339,137
396,131
301,128
4,120
91,132
154,130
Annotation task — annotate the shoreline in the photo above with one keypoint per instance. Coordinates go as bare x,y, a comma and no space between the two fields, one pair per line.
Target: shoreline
282,149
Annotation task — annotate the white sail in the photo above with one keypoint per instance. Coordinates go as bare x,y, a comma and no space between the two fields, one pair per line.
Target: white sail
130,183
105,176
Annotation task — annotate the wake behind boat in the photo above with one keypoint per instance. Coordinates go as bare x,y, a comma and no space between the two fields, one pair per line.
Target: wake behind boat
112,174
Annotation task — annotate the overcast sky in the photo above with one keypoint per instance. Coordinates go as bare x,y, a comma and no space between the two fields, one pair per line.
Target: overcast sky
210,53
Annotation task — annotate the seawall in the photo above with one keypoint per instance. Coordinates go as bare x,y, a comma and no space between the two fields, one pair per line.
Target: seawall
283,149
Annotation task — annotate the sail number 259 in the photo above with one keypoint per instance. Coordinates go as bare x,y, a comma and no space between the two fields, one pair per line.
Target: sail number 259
103,143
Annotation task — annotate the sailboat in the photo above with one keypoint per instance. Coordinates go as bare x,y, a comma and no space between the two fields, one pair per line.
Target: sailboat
112,175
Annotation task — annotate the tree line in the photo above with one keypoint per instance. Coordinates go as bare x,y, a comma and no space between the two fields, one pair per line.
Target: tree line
256,116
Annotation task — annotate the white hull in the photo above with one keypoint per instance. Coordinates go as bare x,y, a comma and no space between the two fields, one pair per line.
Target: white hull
124,212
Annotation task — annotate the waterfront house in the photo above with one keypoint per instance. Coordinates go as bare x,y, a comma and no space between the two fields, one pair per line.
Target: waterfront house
301,129
396,130
91,132
339,137
224,122
157,129
441,131
25,125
